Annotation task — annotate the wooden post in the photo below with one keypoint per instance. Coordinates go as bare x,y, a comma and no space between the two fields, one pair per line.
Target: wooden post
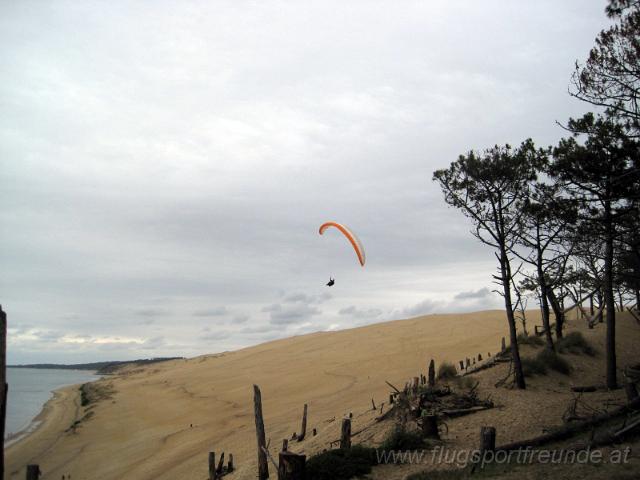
315,432
503,346
303,430
487,439
33,472
212,465
479,357
430,426
468,362
263,466
345,436
291,466
230,466
373,404
461,364
4,387
285,445
391,398
432,373
416,384
631,390
220,464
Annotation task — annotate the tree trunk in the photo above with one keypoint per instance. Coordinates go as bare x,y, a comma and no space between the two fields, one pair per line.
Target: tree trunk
612,380
545,303
557,310
263,467
506,282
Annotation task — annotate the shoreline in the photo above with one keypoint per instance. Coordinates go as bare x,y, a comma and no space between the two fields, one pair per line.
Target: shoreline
44,431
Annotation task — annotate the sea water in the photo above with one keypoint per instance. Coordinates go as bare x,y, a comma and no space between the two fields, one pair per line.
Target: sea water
29,390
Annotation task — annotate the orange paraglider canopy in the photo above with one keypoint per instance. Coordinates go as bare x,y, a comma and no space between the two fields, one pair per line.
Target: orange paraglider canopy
357,246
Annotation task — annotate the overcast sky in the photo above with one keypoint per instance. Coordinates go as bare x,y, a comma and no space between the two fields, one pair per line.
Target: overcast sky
165,166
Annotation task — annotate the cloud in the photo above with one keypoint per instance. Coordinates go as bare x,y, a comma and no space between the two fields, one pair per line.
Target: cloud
369,313
211,312
240,318
473,294
151,312
291,313
304,298
423,308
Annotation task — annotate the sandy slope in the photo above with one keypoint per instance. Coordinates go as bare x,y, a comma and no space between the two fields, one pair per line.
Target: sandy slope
143,431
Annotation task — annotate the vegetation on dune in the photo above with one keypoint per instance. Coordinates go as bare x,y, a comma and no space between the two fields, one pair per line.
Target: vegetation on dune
544,361
400,438
575,343
532,340
447,371
341,464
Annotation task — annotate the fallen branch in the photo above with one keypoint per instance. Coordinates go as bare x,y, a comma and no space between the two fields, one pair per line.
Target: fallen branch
397,391
459,412
570,430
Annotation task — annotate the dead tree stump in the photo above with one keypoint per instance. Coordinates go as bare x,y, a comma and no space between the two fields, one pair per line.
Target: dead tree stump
263,466
487,439
220,465
345,435
33,472
291,466
432,373
429,426
303,430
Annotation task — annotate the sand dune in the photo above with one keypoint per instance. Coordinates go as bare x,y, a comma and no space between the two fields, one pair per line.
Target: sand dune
143,431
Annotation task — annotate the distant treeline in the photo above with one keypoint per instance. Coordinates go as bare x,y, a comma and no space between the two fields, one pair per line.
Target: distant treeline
101,368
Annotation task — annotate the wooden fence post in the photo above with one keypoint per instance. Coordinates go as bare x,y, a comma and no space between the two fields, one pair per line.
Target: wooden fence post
479,357
487,439
432,373
263,466
345,436
285,445
468,362
461,365
212,465
430,426
33,472
503,346
291,466
303,430
230,466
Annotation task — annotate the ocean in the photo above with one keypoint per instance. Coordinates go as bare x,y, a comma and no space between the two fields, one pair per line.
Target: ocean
29,390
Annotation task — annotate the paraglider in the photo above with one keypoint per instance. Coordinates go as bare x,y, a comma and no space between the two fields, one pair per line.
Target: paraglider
355,243
331,282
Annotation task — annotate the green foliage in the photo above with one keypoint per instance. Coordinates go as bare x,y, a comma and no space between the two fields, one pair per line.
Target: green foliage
402,439
532,340
341,464
575,343
84,396
447,371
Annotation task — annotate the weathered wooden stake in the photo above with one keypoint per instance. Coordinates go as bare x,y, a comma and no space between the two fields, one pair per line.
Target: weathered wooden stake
487,439
461,364
345,436
416,384
432,373
430,426
631,390
391,398
373,404
303,430
315,432
285,445
468,362
503,346
220,464
479,357
212,465
263,466
230,466
291,466
33,472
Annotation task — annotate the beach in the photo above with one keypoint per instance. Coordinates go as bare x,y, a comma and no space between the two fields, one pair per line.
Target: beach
160,421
